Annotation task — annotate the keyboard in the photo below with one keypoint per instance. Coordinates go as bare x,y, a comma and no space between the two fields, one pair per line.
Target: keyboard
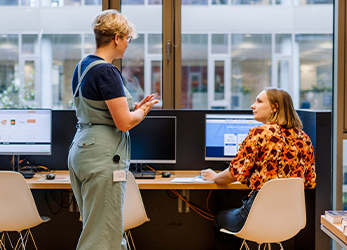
144,174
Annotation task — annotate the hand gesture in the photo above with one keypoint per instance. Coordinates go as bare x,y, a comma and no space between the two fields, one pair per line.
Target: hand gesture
147,103
146,99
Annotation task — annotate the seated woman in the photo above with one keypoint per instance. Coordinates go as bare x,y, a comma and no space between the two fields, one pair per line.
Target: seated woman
277,149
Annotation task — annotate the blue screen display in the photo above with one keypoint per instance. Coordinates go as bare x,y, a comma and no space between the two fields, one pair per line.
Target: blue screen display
225,133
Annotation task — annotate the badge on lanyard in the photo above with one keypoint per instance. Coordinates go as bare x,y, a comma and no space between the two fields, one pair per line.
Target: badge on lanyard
118,175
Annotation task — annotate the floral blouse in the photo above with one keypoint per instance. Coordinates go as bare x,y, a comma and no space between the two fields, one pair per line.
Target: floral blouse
271,151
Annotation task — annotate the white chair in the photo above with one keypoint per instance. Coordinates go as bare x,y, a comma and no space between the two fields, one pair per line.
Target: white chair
18,211
278,213
134,211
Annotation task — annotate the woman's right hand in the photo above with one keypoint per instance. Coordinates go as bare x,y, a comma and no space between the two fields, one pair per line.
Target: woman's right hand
208,174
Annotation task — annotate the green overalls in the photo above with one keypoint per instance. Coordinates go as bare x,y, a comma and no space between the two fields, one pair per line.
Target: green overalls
91,167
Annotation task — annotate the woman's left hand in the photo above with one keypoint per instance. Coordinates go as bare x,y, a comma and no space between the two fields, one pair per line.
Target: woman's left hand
146,99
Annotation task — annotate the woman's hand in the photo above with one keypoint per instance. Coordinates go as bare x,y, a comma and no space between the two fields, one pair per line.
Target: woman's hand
224,177
146,107
146,99
208,174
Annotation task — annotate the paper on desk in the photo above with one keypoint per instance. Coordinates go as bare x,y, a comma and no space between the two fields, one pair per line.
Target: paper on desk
196,179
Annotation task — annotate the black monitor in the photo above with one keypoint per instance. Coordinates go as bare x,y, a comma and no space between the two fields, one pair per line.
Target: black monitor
224,134
25,132
154,140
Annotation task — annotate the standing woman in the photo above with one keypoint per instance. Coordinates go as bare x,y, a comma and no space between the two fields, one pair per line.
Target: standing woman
99,156
277,149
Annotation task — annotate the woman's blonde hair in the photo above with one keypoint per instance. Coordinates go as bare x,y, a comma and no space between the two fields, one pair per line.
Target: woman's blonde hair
109,23
285,114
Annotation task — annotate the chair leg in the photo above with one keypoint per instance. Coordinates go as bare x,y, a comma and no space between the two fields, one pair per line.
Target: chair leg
244,243
20,243
9,239
127,239
268,244
22,239
279,243
127,235
32,238
15,248
2,246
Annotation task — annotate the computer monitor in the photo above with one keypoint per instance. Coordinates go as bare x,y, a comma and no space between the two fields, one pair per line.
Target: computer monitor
154,140
25,132
225,133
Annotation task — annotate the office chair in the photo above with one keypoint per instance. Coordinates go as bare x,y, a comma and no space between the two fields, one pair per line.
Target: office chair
134,210
18,210
278,213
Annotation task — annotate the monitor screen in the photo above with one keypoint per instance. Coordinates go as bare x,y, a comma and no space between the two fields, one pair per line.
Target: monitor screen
154,140
224,135
25,131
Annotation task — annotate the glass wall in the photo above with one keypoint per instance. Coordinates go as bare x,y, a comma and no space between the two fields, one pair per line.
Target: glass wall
37,61
228,55
142,62
250,67
59,56
133,68
238,60
194,71
9,72
316,71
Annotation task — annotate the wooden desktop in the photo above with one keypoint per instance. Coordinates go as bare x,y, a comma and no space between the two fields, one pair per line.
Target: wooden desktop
62,181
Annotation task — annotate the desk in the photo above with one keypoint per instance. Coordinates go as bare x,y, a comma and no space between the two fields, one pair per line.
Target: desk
334,231
62,181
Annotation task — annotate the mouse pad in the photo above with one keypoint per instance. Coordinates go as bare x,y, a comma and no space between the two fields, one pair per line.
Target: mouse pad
57,178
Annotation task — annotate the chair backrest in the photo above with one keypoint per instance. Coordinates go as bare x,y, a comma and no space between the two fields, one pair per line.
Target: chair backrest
18,210
134,210
278,212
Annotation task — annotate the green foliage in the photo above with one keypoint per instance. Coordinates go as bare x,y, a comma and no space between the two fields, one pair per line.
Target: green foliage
10,97
246,90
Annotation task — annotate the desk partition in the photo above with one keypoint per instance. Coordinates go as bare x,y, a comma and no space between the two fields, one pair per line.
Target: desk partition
190,155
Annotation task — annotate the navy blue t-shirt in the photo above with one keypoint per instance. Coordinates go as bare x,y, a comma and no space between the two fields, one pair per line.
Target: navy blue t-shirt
102,82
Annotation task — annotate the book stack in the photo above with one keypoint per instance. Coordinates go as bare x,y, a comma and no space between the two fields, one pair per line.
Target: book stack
344,225
338,217
335,216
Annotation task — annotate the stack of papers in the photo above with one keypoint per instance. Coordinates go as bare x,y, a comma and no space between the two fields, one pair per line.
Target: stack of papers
196,179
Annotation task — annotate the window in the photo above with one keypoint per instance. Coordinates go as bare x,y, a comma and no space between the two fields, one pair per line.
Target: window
315,72
227,56
250,67
142,62
9,71
59,56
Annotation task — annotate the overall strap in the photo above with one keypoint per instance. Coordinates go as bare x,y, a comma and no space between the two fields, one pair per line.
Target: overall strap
80,77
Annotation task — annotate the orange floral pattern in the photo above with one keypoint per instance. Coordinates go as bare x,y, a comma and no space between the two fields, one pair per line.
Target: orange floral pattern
271,151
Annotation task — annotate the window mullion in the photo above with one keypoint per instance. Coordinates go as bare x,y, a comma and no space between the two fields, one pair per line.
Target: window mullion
172,48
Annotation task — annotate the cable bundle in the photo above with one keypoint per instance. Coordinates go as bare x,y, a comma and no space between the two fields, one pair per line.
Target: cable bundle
207,215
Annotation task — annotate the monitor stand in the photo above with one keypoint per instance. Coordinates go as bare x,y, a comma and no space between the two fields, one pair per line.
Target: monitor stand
15,163
16,167
139,174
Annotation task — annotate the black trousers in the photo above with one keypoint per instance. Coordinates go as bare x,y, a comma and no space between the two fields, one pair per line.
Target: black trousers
232,220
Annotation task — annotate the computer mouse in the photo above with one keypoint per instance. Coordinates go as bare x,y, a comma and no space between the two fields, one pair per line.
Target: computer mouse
50,176
165,174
